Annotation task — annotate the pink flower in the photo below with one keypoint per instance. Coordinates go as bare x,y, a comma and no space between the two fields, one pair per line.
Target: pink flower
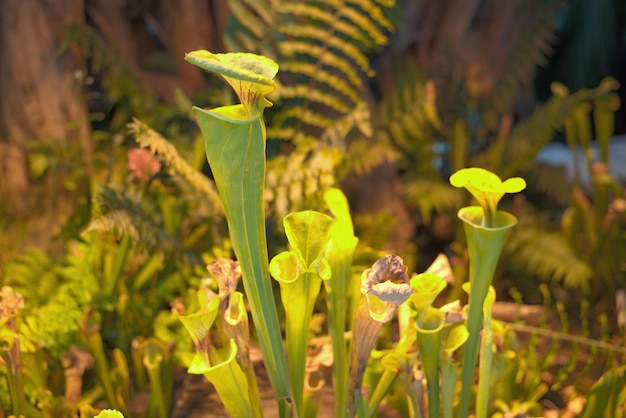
142,164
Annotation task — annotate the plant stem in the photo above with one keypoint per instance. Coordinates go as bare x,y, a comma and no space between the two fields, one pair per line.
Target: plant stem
15,382
118,264
407,340
236,154
299,299
429,342
448,384
339,254
484,371
340,261
92,339
484,246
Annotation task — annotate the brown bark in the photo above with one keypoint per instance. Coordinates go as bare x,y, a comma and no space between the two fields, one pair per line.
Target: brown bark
478,33
182,26
40,99
188,23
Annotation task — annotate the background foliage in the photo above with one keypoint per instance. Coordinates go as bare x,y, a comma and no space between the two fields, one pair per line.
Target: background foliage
373,96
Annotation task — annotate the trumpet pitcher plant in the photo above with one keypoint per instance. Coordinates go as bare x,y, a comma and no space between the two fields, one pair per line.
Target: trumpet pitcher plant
485,229
320,251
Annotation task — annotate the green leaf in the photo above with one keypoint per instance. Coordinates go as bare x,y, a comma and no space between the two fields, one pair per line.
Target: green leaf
231,383
109,413
484,245
284,267
395,361
432,322
299,273
234,139
455,339
250,75
429,328
199,323
324,270
308,232
241,66
603,395
340,301
426,286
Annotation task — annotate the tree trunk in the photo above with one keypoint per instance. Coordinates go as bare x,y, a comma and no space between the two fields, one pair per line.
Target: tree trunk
41,101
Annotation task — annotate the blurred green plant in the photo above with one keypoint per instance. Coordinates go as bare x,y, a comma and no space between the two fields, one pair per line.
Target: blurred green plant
109,290
157,221
410,120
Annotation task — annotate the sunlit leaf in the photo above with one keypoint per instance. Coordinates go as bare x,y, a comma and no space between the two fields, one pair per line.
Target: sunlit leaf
308,233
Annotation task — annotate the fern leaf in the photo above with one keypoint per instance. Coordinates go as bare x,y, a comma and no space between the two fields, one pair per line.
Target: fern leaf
368,22
118,212
431,195
313,35
50,292
546,254
532,46
317,96
262,9
299,49
359,118
367,155
552,182
254,13
327,18
32,266
160,147
322,76
322,49
299,180
306,116
408,116
243,41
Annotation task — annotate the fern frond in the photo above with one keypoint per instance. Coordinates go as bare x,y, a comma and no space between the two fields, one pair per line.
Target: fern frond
375,14
528,137
31,266
318,42
531,48
358,118
306,116
312,35
303,50
408,118
322,49
317,96
298,181
118,212
50,293
262,9
545,254
325,17
167,153
432,195
552,182
322,76
367,155
256,16
287,134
